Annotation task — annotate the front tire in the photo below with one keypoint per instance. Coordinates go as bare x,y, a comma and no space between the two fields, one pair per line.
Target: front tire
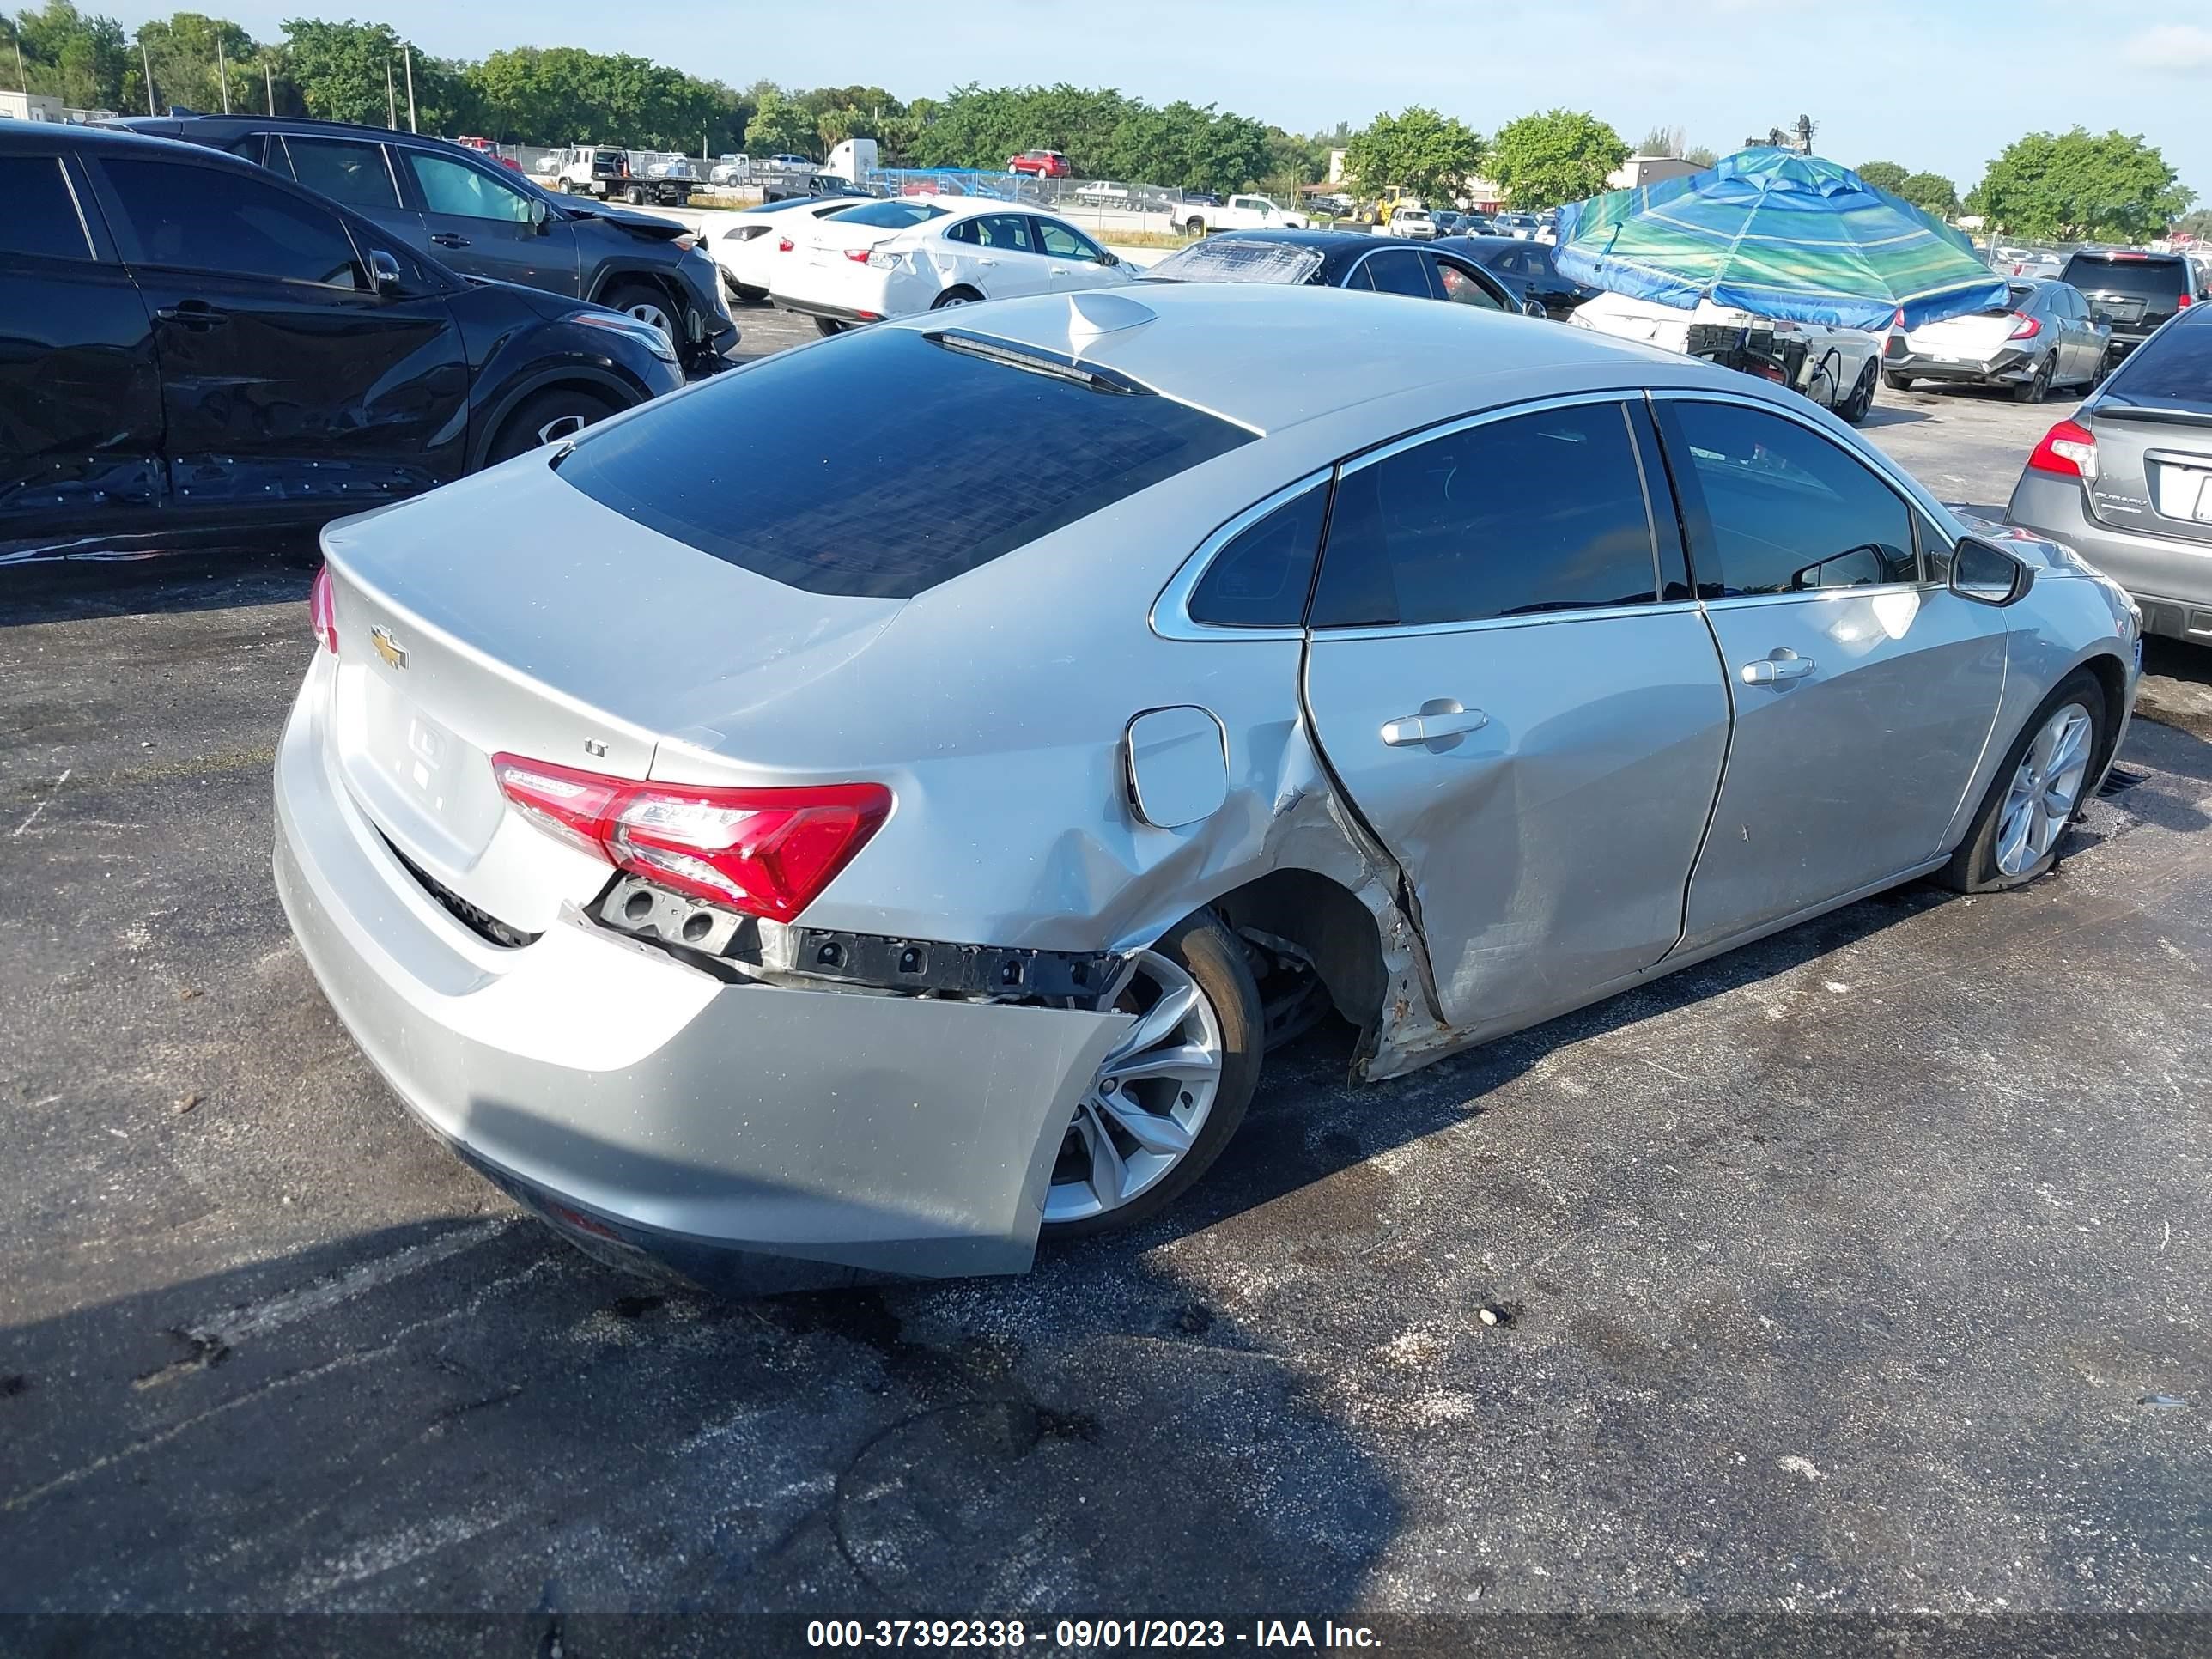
645,303
1170,1095
546,417
2037,792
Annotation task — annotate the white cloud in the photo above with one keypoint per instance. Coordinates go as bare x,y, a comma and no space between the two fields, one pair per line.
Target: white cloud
2170,48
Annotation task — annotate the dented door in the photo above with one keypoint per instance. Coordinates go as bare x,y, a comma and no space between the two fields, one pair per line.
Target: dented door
1525,714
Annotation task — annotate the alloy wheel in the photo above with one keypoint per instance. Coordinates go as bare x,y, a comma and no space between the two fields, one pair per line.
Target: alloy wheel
1145,1107
560,426
646,312
2045,790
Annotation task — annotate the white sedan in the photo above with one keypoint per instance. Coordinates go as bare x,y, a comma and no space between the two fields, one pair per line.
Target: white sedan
893,258
746,250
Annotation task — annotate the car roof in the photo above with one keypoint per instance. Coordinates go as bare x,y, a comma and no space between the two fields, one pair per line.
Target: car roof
43,135
1249,351
1491,244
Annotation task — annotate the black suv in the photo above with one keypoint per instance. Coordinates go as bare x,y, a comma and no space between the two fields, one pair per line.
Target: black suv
484,220
2133,292
193,353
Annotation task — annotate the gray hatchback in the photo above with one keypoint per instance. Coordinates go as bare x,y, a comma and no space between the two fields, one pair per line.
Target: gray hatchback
2127,478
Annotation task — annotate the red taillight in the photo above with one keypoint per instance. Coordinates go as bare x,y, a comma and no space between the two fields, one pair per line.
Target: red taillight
767,851
2185,301
859,256
2028,328
2068,450
784,245
322,614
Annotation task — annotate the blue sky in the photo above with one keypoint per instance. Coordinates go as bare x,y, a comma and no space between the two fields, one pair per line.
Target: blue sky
1943,85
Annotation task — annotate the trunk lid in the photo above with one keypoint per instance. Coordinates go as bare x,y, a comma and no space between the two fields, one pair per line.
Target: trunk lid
1975,337
512,613
2153,466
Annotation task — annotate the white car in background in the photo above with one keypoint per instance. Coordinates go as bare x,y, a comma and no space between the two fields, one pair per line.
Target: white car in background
746,251
1414,224
1836,367
893,258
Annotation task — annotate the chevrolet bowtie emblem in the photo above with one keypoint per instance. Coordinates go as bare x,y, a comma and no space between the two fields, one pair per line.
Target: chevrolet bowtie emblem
394,652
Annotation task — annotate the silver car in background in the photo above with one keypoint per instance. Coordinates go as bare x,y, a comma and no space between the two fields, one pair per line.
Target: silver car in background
806,870
2041,338
2126,480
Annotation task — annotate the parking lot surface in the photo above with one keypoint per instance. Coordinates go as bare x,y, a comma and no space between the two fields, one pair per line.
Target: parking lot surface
1865,1268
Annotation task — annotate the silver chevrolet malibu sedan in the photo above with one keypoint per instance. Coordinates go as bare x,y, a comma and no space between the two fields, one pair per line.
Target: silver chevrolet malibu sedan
877,808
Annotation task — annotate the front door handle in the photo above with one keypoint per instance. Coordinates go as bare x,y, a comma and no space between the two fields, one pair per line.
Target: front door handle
1778,667
987,264
1440,718
448,239
192,314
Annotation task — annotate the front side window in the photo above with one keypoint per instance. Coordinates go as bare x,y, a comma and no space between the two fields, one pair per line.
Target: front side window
1462,287
455,187
1259,578
1065,242
41,216
206,218
1776,508
1535,512
352,174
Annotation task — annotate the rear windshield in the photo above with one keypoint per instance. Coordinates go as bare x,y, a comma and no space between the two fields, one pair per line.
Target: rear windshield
2149,278
877,465
895,215
2175,365
1224,259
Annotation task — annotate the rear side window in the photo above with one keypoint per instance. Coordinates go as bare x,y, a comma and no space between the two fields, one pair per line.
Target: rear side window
937,460
888,216
352,174
2173,366
204,218
1398,271
42,214
1775,508
2151,277
1540,512
1463,287
1259,578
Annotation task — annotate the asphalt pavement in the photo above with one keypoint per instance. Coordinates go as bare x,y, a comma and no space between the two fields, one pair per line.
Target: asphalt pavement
1864,1269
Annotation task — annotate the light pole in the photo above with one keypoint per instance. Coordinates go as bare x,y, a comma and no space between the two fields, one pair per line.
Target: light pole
222,74
146,63
268,83
409,49
391,103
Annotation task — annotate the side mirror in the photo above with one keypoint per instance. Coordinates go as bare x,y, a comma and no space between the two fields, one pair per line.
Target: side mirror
1107,257
1534,308
383,273
1985,572
539,213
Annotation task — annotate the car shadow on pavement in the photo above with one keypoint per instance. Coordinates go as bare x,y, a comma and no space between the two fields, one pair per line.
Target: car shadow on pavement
467,1415
183,582
1891,414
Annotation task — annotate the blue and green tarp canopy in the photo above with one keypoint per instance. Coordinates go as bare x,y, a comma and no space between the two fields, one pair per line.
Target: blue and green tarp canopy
1777,235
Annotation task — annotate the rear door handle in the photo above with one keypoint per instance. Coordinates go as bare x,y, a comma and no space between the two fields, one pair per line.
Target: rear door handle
1440,717
447,238
1778,667
192,314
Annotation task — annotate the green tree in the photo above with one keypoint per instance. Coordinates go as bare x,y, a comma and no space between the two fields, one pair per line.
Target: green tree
1416,149
2197,224
1562,155
1883,175
339,70
2080,186
1931,192
183,51
79,59
1700,155
781,127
